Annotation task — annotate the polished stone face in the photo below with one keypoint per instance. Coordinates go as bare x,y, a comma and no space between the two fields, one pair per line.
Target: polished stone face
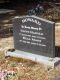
35,35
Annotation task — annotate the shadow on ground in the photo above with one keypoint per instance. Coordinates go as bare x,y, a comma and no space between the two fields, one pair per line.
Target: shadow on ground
57,51
7,32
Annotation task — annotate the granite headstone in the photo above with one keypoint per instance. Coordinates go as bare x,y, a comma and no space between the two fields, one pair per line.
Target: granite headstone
34,35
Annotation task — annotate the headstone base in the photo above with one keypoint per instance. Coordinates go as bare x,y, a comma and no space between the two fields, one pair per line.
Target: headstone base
37,58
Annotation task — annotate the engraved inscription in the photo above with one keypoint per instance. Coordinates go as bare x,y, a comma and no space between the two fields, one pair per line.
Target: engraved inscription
34,36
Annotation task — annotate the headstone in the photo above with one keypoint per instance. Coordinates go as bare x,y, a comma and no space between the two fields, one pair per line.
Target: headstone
34,35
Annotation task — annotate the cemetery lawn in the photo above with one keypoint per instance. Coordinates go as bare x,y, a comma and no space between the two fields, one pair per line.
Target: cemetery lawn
25,69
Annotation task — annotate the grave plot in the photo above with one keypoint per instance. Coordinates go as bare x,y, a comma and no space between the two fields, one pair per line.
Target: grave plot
34,38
